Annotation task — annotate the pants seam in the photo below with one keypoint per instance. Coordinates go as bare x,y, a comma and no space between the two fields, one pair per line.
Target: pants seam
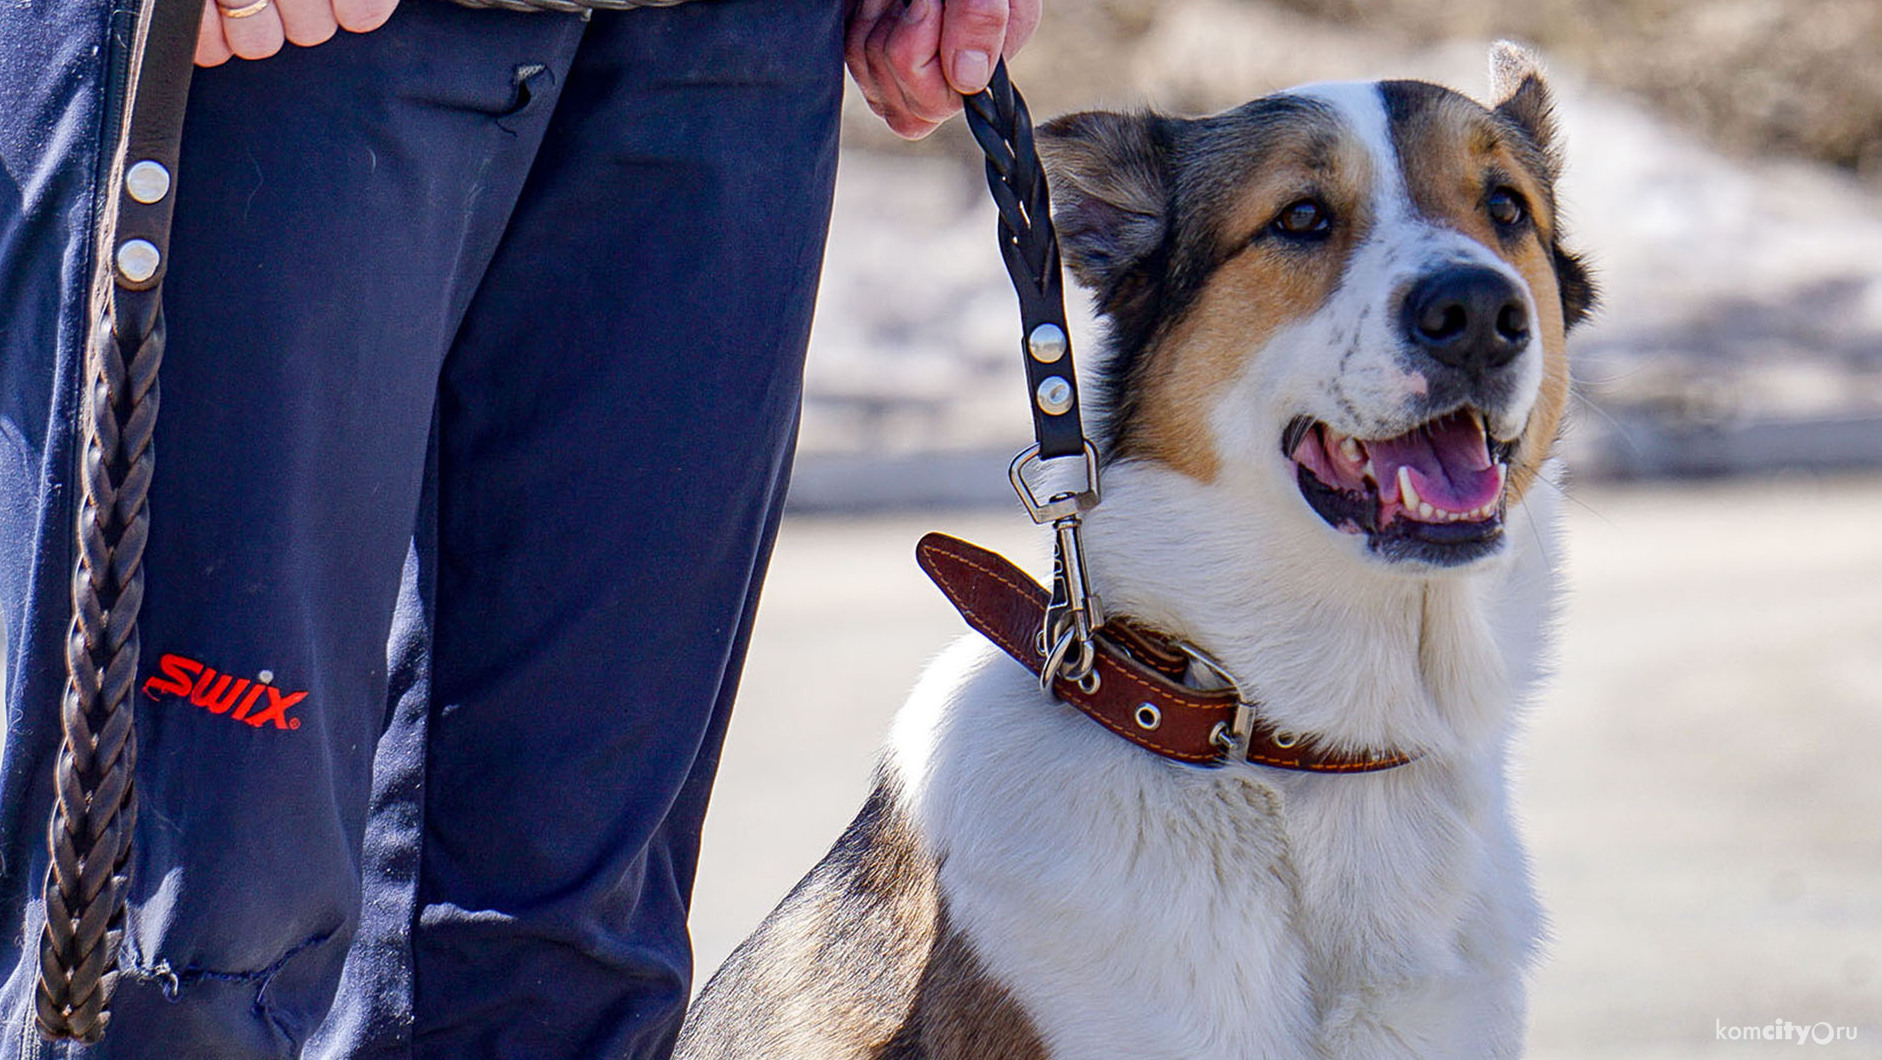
171,982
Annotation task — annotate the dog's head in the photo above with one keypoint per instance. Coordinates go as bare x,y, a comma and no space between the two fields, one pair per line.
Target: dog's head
1352,295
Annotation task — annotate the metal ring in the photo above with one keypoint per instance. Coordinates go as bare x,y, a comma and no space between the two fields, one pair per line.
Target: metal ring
1058,664
1219,737
1149,717
245,10
1283,738
1055,660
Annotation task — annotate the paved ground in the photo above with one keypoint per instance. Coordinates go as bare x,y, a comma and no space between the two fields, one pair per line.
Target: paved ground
1703,790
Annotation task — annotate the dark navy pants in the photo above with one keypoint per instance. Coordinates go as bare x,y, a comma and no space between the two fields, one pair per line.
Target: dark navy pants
486,336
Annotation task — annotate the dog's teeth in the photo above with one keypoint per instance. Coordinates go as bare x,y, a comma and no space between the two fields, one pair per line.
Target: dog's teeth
1407,493
1350,450
1426,509
1502,475
1367,471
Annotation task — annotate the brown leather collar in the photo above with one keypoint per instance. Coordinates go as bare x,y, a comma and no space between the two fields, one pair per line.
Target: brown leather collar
1139,695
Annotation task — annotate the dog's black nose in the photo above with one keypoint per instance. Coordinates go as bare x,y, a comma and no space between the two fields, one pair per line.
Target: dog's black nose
1469,317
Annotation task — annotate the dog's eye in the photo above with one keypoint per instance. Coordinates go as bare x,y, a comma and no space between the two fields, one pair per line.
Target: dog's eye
1308,217
1506,208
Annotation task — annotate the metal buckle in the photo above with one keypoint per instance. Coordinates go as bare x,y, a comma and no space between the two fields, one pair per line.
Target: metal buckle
1230,737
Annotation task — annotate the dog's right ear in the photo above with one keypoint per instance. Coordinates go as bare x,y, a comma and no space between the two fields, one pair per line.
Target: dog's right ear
1108,174
1520,91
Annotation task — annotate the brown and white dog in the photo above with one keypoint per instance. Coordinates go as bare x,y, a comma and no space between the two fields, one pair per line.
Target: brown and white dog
1334,373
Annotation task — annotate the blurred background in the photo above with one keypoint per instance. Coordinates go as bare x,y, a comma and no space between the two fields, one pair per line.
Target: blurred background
1701,783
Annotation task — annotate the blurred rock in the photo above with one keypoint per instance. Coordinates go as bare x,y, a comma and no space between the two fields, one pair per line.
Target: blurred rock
1756,76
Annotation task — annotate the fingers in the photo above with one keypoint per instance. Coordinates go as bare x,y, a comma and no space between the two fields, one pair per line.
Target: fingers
235,30
873,48
973,33
307,22
914,64
211,49
251,34
358,16
864,14
1022,18
904,54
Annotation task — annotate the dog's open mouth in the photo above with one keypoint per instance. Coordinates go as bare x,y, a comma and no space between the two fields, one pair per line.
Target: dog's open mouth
1434,493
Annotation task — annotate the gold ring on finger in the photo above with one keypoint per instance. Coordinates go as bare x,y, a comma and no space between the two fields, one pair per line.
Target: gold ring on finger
245,10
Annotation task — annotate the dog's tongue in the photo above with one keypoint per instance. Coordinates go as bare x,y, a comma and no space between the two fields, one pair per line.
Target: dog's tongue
1449,462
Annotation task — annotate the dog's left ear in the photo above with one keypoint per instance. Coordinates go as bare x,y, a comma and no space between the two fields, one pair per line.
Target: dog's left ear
1520,92
1109,179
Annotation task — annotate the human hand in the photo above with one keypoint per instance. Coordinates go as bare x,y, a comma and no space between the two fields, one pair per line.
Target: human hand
913,64
226,32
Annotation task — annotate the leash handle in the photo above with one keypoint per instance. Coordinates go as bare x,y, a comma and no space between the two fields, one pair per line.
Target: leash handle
1001,124
151,53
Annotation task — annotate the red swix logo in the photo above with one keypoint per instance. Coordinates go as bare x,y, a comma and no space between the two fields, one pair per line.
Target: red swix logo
224,693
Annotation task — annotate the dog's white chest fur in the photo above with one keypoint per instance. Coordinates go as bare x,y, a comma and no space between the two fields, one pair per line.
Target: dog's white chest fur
1139,908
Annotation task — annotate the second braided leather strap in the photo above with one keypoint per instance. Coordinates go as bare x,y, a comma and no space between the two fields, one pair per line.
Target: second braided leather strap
94,814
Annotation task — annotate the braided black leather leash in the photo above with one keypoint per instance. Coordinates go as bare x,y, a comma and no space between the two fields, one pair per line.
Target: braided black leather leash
1029,245
95,808
1001,124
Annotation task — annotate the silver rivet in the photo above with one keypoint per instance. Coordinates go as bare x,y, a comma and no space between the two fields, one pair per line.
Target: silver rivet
138,259
1055,395
147,181
1286,739
1047,343
1148,716
266,677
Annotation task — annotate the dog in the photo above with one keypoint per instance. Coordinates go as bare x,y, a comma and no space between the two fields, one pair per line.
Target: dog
1333,375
